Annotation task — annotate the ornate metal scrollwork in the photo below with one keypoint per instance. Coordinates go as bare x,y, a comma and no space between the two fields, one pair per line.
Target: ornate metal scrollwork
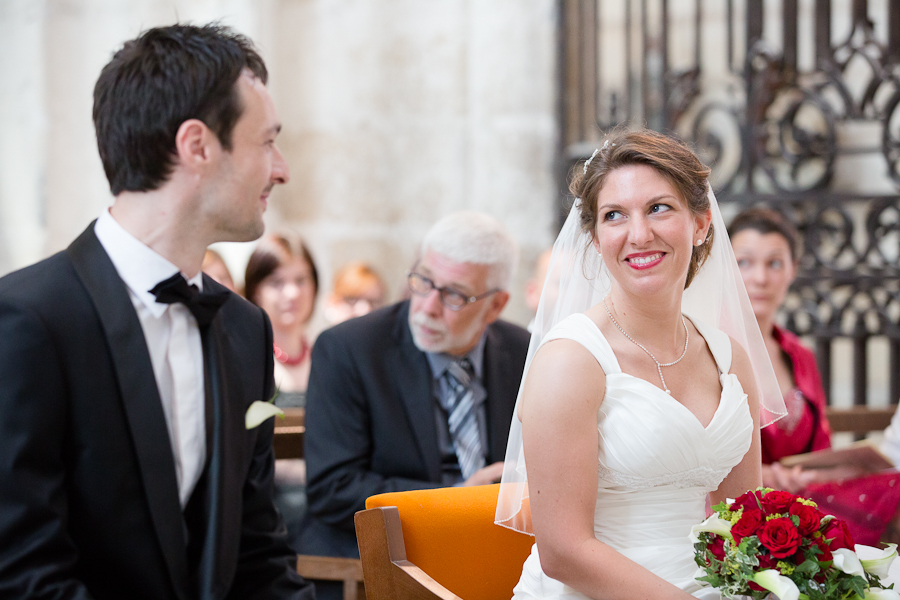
829,240
797,143
849,279
716,129
890,137
883,233
684,88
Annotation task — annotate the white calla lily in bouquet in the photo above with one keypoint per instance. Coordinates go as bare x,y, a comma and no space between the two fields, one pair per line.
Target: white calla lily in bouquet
769,542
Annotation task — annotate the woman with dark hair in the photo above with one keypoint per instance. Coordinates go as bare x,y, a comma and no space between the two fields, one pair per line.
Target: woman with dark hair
766,248
281,278
645,385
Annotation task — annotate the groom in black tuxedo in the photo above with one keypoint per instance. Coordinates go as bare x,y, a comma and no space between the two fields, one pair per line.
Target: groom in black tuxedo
126,468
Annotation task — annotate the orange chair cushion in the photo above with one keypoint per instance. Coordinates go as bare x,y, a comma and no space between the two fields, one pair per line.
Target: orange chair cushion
450,534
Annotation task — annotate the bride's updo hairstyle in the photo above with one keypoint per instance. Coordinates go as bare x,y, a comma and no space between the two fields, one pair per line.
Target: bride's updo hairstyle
670,157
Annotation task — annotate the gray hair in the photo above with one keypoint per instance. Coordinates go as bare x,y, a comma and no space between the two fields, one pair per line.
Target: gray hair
478,238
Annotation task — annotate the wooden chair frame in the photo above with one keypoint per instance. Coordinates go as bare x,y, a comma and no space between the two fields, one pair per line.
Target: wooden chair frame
388,574
330,568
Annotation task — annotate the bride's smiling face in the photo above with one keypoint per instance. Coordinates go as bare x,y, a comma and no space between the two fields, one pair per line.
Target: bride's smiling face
645,230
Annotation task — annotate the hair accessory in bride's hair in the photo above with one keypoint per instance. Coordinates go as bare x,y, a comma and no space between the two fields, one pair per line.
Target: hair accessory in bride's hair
588,161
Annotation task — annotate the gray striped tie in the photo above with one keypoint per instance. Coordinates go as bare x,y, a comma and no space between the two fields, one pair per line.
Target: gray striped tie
463,422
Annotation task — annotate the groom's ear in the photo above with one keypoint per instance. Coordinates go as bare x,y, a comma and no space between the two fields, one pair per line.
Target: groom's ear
196,145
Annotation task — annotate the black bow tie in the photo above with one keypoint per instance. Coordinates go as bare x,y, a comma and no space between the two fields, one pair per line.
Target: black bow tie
203,305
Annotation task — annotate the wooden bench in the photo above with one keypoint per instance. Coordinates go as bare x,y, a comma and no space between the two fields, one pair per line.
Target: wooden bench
329,568
288,443
859,419
289,433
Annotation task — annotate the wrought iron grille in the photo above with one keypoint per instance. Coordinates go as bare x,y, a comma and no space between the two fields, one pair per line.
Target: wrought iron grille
798,109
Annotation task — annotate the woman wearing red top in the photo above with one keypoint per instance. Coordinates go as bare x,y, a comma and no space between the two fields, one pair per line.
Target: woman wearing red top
765,246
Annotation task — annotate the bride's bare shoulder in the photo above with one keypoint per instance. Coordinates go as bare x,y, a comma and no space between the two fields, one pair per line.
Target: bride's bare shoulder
564,372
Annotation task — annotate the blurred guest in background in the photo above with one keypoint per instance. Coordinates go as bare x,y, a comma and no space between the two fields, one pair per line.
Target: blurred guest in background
281,278
357,291
215,267
766,248
419,394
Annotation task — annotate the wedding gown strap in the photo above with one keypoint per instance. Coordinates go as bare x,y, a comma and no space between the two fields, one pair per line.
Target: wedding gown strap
580,328
718,341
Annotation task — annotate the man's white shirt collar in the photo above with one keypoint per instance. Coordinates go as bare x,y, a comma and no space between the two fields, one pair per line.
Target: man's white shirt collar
140,267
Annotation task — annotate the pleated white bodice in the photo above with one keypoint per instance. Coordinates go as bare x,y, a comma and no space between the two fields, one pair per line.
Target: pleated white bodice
656,464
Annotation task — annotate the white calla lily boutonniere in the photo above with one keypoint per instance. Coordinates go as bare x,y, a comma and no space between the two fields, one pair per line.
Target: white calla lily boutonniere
259,411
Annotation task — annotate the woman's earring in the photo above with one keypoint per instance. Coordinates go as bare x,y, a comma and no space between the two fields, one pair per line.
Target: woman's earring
700,242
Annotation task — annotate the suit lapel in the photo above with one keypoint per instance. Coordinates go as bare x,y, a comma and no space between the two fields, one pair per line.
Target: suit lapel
226,441
413,375
140,396
501,390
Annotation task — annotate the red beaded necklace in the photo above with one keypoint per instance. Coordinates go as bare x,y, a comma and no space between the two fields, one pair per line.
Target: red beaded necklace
288,360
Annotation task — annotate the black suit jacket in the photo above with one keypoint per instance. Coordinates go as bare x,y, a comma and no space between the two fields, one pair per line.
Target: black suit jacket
88,495
370,425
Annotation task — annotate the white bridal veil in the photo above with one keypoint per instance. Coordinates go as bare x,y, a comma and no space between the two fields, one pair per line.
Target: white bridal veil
577,280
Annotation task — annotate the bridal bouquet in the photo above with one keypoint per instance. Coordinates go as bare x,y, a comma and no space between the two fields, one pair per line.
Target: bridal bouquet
772,541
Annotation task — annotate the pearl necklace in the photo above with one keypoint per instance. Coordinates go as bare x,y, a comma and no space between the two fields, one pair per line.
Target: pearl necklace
659,365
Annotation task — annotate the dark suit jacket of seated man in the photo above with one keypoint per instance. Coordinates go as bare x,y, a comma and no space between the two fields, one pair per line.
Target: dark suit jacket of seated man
126,467
371,423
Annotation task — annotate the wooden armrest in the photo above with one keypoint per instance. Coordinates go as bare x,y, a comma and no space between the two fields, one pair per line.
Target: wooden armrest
859,419
330,568
388,575
289,431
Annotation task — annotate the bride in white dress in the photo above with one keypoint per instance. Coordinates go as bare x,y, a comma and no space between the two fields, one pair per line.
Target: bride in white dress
630,366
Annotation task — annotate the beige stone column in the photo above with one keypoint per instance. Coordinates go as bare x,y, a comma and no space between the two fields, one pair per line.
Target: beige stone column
23,126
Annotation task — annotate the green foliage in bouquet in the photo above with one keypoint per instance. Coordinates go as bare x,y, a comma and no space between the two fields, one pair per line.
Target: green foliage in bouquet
769,541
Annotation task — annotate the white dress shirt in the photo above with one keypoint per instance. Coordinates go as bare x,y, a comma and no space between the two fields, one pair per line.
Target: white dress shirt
173,340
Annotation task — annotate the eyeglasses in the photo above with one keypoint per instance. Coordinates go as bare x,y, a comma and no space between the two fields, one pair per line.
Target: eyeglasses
452,299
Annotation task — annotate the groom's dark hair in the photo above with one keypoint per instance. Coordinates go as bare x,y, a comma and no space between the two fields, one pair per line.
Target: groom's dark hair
156,82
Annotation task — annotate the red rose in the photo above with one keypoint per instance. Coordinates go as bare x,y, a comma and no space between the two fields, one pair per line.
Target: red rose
717,547
840,536
767,561
810,518
746,500
825,556
780,536
777,501
750,521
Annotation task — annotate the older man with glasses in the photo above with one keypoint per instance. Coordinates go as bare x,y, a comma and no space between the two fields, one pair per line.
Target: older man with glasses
419,394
